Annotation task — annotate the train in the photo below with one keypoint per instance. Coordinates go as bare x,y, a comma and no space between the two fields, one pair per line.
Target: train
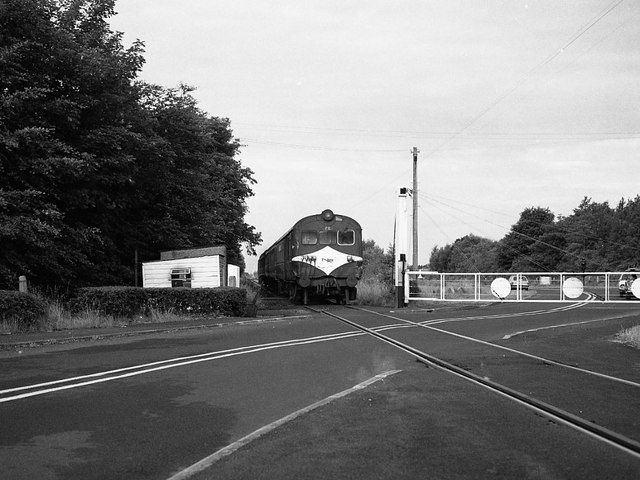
320,256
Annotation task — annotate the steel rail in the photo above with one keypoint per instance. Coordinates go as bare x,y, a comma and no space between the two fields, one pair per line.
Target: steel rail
615,439
547,361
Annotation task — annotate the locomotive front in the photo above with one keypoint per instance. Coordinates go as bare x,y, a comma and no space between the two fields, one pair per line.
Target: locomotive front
326,256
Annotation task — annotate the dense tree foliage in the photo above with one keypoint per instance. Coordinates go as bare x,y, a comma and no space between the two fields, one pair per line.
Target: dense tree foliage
527,246
377,264
467,254
95,164
595,237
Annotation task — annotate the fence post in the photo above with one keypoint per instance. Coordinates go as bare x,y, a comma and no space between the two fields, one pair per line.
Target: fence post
23,284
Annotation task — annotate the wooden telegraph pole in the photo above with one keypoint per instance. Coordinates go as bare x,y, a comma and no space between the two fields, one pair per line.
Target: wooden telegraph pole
415,208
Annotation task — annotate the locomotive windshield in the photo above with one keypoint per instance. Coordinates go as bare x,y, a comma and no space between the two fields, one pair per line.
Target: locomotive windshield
309,237
328,237
346,237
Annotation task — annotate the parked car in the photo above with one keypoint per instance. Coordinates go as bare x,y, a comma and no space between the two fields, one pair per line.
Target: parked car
523,282
625,281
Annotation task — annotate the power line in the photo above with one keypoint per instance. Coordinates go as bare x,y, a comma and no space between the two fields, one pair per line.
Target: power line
509,247
322,148
421,134
450,136
530,73
560,228
599,16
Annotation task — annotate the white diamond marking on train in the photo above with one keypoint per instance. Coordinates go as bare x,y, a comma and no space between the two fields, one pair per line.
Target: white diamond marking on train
327,259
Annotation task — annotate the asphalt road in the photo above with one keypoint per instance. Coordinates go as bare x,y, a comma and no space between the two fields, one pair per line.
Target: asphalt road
152,424
184,395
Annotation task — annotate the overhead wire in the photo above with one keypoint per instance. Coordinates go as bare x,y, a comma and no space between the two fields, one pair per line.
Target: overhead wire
509,247
473,262
421,134
450,136
525,77
561,227
590,24
434,202
323,148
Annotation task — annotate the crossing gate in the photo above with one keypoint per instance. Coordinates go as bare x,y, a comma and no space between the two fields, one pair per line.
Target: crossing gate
610,287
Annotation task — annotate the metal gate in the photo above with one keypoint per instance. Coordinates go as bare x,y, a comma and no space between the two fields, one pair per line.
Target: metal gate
611,287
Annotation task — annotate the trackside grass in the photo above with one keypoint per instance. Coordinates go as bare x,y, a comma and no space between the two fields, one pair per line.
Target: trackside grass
372,291
630,336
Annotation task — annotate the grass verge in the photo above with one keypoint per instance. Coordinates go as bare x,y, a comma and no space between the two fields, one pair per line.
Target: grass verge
630,336
372,291
60,318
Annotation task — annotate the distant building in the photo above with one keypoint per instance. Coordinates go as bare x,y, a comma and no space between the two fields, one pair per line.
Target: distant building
193,268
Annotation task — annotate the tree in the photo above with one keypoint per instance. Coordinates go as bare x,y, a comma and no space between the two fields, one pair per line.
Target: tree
95,164
190,187
625,235
377,264
439,258
586,236
467,254
518,250
65,85
595,237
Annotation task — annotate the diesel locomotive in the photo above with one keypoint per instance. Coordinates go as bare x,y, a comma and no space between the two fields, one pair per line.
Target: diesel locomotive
320,255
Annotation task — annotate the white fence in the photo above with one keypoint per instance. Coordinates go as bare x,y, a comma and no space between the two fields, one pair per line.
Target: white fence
522,287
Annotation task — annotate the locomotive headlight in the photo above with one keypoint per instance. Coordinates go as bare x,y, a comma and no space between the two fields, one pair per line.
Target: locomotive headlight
353,258
327,215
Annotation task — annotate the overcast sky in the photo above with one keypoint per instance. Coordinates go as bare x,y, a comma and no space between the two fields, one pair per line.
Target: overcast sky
512,104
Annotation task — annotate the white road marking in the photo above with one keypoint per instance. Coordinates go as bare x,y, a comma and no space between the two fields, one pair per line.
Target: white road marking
511,350
116,374
109,375
229,449
563,308
521,332
120,373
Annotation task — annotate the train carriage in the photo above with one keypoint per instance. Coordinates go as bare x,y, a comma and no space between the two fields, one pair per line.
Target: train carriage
320,255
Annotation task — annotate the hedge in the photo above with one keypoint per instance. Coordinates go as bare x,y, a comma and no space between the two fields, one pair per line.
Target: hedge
24,310
136,301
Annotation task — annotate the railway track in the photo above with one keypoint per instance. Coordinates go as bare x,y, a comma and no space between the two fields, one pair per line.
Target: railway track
548,410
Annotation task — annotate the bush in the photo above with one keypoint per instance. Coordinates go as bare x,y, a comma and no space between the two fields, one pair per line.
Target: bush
222,301
23,310
115,301
132,301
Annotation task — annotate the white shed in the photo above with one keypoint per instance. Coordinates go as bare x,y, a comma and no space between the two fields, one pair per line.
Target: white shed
196,268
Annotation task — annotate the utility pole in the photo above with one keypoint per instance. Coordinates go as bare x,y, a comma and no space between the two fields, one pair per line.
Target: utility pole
415,208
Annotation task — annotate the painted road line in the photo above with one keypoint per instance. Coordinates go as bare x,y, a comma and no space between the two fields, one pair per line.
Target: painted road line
618,317
121,373
626,444
207,358
229,449
512,350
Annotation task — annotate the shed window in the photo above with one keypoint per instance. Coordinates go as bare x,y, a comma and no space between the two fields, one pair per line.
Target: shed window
309,237
327,237
346,237
181,277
